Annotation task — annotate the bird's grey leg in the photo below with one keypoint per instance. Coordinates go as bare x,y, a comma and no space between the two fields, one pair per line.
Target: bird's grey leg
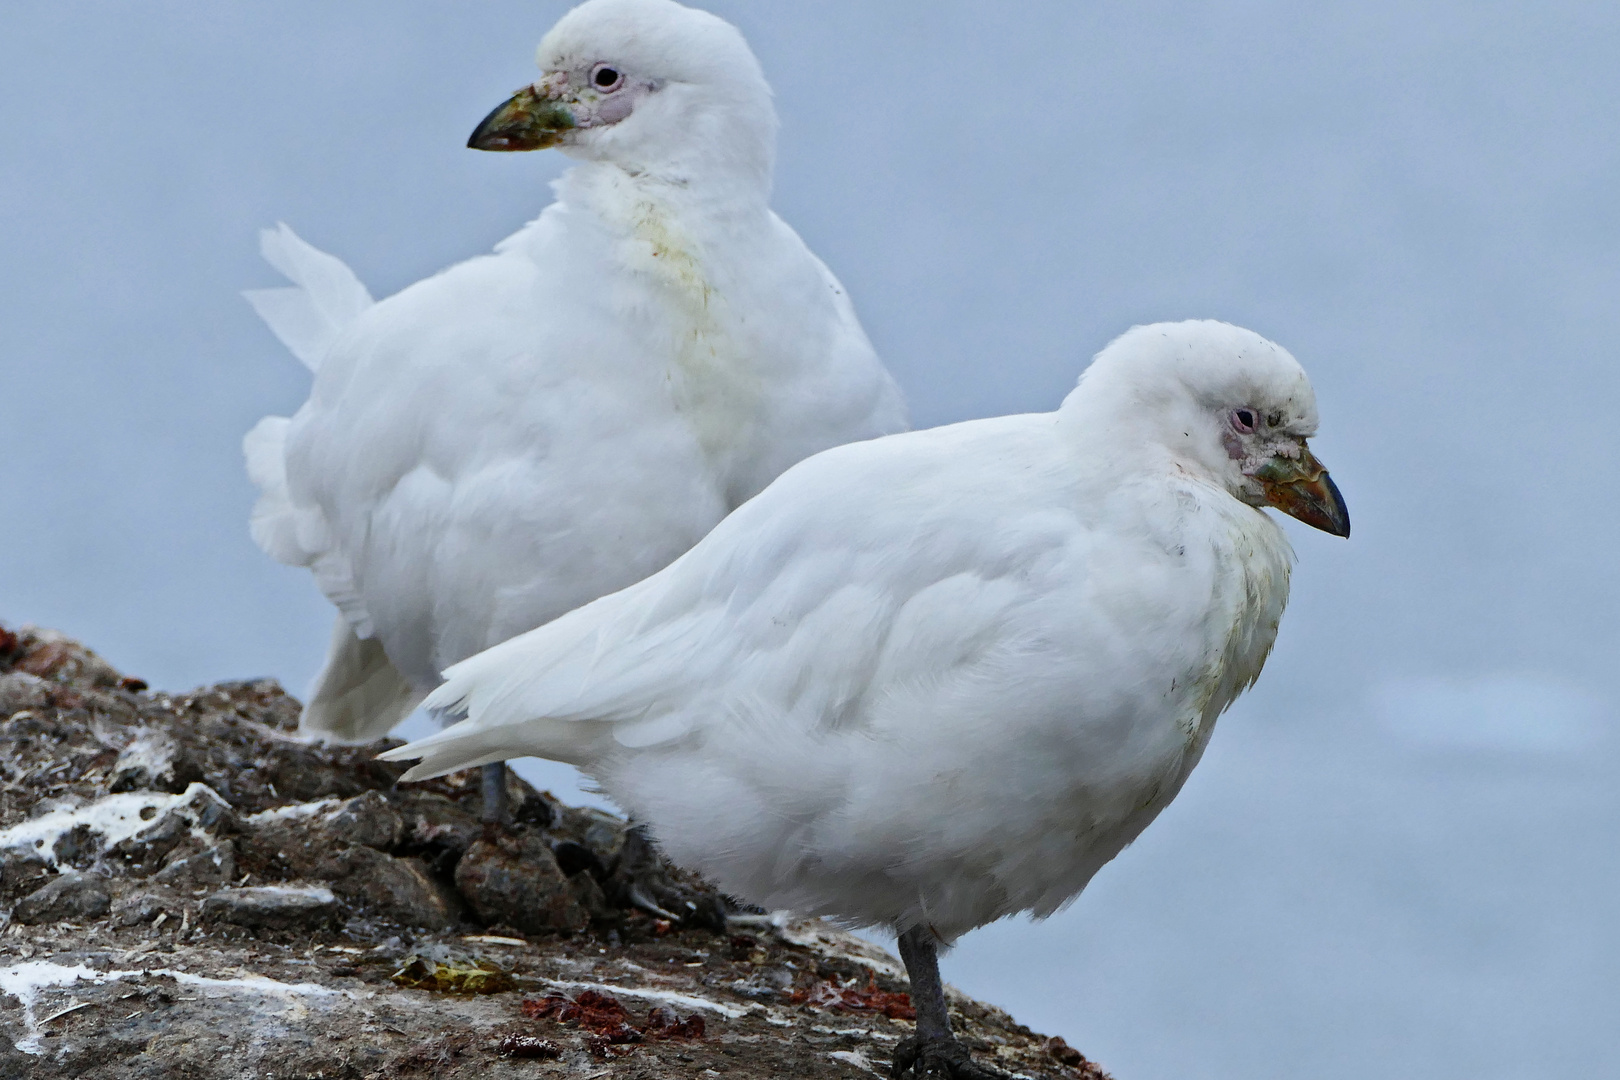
927,990
495,808
932,1052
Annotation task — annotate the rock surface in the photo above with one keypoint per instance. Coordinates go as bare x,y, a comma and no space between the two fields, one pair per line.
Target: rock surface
187,890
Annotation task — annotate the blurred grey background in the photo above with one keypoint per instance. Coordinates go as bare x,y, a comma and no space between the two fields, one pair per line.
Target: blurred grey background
1399,858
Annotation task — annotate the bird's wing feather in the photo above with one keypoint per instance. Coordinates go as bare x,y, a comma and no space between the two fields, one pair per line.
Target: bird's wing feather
796,599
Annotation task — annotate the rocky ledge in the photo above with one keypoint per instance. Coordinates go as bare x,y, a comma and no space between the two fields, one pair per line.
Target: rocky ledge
190,891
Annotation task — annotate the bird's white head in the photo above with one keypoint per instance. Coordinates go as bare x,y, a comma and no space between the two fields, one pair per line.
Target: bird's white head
651,86
1217,401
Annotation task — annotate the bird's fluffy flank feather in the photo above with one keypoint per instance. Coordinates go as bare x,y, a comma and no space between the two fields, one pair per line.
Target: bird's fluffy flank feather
274,522
293,533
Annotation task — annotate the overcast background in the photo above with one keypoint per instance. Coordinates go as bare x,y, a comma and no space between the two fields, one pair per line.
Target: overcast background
1400,856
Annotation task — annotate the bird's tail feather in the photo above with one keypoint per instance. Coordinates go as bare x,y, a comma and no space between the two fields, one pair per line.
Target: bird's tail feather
359,695
451,750
506,713
324,298
468,744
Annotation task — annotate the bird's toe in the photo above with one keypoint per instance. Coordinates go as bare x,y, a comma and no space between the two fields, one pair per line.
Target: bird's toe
938,1059
643,880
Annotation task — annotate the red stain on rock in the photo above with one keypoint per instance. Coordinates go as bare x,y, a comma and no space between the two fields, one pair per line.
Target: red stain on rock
664,1026
826,995
607,1024
592,1010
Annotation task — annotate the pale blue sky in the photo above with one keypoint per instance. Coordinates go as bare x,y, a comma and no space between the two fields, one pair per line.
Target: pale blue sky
1418,199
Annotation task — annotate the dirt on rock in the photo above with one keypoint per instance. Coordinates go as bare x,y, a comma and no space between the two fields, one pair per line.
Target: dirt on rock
188,890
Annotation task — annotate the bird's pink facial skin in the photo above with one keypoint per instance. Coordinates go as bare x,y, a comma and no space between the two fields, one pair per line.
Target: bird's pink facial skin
610,95
1284,470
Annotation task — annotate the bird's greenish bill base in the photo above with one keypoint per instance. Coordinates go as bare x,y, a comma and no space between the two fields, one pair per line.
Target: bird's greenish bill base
528,120
1301,487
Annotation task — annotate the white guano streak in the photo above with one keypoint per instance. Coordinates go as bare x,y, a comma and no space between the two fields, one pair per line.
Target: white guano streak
26,982
114,818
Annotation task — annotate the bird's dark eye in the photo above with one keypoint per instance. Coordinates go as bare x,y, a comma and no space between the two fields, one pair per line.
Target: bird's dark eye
606,78
1244,420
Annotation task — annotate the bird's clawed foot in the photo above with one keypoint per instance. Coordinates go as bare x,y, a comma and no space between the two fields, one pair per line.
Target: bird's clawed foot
643,880
918,1058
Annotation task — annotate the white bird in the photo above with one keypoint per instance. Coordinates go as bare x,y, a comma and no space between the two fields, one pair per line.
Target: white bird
939,678
532,429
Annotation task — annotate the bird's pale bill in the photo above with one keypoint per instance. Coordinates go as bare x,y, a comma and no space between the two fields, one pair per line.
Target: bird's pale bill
1301,487
531,119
